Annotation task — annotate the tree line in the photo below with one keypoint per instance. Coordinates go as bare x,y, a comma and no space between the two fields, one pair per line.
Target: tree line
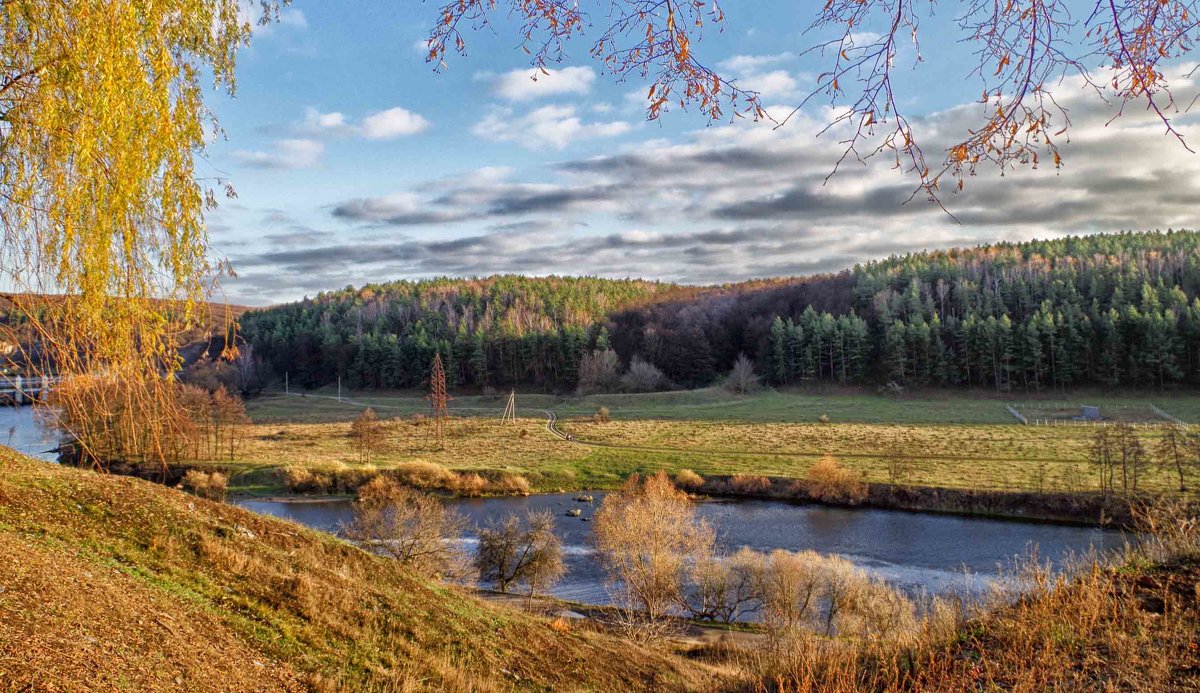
1114,310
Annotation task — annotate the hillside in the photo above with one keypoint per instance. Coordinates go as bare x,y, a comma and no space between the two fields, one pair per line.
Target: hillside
114,583
1117,310
207,336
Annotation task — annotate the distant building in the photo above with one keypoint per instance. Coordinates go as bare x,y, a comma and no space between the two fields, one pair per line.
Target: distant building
1088,413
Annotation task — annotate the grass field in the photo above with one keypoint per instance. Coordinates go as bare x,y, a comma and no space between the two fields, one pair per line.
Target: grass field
717,404
948,441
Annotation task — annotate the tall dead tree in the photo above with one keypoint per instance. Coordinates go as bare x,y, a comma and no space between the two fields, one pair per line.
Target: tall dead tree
438,399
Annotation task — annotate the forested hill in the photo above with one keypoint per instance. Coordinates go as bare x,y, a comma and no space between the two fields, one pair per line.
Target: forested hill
499,329
1118,309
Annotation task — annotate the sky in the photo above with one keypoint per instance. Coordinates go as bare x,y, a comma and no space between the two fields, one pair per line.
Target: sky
354,161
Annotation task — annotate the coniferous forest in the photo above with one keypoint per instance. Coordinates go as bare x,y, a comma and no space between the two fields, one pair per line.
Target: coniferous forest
1109,310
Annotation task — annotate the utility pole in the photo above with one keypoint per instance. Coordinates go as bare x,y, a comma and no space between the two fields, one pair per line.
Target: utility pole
286,389
510,409
438,398
339,388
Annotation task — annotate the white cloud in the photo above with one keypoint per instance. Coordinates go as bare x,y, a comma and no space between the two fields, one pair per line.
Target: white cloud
754,73
394,122
284,154
528,84
730,202
548,126
317,122
387,124
754,63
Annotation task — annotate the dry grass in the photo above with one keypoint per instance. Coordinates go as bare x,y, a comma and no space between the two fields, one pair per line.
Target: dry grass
116,583
1130,627
955,440
1010,457
983,457
210,485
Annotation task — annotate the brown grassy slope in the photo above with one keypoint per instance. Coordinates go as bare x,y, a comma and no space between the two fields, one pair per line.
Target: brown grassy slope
118,583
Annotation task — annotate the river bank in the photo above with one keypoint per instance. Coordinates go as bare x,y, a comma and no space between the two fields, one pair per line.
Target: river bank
917,552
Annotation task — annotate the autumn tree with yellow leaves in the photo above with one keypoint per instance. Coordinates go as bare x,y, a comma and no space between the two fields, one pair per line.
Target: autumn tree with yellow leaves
104,245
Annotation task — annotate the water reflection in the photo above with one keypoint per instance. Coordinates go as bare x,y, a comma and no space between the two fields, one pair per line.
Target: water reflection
21,429
914,551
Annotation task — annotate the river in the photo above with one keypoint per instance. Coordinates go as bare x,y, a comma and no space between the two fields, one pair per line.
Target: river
21,430
914,551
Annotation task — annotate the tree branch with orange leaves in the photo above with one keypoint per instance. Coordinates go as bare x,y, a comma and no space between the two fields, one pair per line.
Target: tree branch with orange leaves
1024,50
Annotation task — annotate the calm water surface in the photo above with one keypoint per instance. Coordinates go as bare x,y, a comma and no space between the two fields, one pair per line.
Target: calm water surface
911,550
21,429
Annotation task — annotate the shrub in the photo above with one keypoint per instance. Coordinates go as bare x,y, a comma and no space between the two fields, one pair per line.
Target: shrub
642,376
561,626
749,484
829,482
367,433
213,485
602,415
422,474
688,479
378,490
298,480
647,535
512,484
470,484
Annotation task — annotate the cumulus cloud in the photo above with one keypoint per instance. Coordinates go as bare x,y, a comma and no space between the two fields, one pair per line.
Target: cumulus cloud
731,202
316,122
381,125
283,154
546,127
531,83
392,123
764,74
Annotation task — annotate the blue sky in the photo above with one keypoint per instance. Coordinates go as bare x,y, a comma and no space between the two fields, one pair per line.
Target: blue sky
355,162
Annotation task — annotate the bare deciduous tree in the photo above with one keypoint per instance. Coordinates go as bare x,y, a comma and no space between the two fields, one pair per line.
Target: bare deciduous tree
368,433
722,588
742,379
643,376
1131,455
649,538
599,371
512,552
1103,459
1175,450
413,527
